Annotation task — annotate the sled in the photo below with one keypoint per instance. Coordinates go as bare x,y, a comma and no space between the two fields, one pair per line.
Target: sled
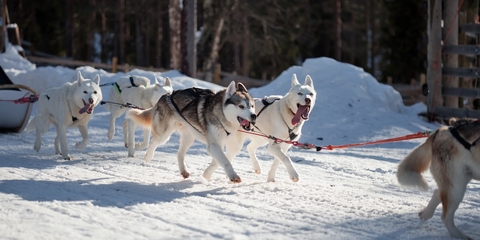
16,103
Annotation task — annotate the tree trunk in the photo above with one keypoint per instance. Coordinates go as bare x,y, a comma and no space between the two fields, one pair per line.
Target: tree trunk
104,32
188,45
245,46
139,39
338,30
120,32
174,32
158,42
69,46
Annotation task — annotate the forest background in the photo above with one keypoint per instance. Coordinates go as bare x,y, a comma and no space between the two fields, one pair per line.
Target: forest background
253,38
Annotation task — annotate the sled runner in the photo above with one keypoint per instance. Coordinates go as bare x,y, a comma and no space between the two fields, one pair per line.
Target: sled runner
16,102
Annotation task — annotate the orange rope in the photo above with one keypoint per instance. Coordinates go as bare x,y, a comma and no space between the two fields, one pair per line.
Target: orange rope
330,147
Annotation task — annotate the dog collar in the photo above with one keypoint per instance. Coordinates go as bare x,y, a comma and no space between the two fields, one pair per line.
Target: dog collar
460,139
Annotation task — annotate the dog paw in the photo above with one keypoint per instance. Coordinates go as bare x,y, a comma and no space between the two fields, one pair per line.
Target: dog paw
258,171
36,147
424,216
67,158
185,174
270,179
295,179
80,145
236,179
141,146
110,135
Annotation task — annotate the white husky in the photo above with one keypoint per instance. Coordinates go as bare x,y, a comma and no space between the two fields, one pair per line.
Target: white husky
68,106
281,117
140,93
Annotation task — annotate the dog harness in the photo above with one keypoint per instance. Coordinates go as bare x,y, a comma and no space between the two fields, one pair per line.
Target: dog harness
73,118
118,87
291,134
197,93
460,139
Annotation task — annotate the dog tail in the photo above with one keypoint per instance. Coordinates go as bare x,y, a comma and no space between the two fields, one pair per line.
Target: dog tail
142,118
415,163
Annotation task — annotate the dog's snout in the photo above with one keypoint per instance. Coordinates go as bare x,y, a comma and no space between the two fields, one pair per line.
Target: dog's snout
253,117
308,100
91,100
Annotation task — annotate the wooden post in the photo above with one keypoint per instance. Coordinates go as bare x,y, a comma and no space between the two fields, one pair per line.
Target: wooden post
114,64
434,69
217,74
2,25
451,60
187,42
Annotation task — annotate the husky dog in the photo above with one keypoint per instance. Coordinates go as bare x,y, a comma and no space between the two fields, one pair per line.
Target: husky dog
198,114
453,155
141,94
68,106
278,116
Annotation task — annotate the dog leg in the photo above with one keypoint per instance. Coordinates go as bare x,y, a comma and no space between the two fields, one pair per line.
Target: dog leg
146,139
38,140
62,137
131,138
234,145
252,147
216,152
111,128
186,140
273,170
451,199
159,137
56,144
277,151
126,132
85,140
427,213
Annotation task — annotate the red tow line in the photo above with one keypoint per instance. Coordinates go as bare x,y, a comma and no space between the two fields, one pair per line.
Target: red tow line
24,99
331,147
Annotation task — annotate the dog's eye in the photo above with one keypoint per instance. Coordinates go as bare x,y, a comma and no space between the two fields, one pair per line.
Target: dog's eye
300,94
241,106
311,94
95,92
85,92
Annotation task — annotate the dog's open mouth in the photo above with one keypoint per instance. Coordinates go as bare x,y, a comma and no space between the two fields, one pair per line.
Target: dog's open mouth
244,123
302,112
88,108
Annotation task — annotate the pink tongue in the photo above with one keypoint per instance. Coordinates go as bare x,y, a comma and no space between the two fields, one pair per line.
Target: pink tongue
298,115
245,122
84,109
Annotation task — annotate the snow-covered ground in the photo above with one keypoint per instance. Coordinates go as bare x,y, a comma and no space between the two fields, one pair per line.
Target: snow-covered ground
347,193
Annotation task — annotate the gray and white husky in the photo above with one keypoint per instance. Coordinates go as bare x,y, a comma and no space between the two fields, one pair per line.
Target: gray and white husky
198,114
453,156
281,117
70,105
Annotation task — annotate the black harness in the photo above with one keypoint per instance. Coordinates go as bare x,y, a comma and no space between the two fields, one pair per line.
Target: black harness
461,140
196,93
131,82
291,134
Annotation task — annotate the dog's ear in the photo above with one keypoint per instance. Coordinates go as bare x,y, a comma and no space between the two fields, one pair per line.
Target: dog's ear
308,81
97,79
79,78
241,87
231,89
168,82
295,81
156,81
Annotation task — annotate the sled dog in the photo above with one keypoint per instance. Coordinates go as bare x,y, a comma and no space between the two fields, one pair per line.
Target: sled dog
140,94
453,155
70,105
198,114
282,117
